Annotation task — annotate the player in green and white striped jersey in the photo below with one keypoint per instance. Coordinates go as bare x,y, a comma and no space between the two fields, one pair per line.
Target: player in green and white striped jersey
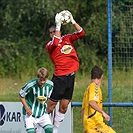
33,96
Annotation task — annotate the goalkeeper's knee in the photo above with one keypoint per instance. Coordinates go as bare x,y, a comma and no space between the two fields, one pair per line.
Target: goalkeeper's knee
31,130
48,128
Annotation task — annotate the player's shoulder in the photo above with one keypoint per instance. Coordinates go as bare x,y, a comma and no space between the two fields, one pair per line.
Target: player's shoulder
49,82
85,92
49,43
32,82
66,35
93,86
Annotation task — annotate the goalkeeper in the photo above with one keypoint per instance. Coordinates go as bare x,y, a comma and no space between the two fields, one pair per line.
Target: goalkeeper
33,96
92,111
66,63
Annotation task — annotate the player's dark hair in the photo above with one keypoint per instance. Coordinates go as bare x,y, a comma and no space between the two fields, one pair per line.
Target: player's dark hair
96,72
42,73
53,26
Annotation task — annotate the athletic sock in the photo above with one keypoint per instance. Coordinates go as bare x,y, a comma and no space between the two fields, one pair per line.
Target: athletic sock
55,129
57,121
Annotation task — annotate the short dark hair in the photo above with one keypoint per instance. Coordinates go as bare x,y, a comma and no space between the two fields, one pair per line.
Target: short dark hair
96,72
52,26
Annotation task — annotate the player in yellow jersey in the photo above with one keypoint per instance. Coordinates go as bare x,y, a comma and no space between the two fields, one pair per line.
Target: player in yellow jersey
92,111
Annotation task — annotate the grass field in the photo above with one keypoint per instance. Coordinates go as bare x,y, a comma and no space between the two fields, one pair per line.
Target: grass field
122,92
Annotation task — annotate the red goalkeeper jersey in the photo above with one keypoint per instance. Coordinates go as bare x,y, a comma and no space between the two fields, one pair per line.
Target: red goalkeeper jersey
63,53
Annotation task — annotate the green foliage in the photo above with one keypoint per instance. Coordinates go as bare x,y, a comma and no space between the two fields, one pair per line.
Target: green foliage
22,57
8,55
87,57
24,32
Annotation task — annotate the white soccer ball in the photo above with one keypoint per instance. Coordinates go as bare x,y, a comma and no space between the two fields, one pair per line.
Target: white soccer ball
65,17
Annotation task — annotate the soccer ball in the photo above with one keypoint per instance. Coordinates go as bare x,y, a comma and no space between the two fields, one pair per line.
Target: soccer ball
65,17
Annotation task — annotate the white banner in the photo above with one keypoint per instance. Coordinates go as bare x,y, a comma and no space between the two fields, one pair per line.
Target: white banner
11,119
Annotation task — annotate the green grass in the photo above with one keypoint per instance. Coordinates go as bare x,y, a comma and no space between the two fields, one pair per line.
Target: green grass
10,87
122,92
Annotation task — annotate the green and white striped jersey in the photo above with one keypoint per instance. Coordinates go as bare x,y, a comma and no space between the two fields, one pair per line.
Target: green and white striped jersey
36,96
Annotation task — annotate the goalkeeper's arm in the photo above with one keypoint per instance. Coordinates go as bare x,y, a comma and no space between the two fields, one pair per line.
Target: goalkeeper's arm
76,25
58,25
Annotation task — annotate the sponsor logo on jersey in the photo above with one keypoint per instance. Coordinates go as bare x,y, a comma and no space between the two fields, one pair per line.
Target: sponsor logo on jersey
66,49
41,99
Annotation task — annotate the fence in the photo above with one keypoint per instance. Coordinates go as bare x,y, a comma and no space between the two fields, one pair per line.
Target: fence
120,66
120,62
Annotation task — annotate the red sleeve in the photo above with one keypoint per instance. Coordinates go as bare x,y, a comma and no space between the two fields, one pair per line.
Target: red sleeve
76,35
52,44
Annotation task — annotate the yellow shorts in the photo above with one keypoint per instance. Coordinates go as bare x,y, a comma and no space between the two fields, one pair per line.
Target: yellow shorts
101,128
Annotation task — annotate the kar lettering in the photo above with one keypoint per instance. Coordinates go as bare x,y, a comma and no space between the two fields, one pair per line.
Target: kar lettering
12,116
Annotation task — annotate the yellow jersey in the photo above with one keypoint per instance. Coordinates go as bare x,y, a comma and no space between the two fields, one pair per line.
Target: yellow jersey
92,117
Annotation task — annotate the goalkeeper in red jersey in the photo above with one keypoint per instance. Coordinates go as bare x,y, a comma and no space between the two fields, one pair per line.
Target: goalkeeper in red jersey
66,63
92,111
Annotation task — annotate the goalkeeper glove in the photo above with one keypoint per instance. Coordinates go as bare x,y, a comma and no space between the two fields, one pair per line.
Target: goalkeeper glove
58,21
71,18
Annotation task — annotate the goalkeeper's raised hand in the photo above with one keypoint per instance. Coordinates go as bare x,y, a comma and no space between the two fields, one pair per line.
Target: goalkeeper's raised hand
58,21
71,17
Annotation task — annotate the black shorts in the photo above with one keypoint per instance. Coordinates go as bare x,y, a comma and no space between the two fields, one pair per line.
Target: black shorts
63,87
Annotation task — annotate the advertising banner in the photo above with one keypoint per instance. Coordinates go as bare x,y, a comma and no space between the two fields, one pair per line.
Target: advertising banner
11,119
